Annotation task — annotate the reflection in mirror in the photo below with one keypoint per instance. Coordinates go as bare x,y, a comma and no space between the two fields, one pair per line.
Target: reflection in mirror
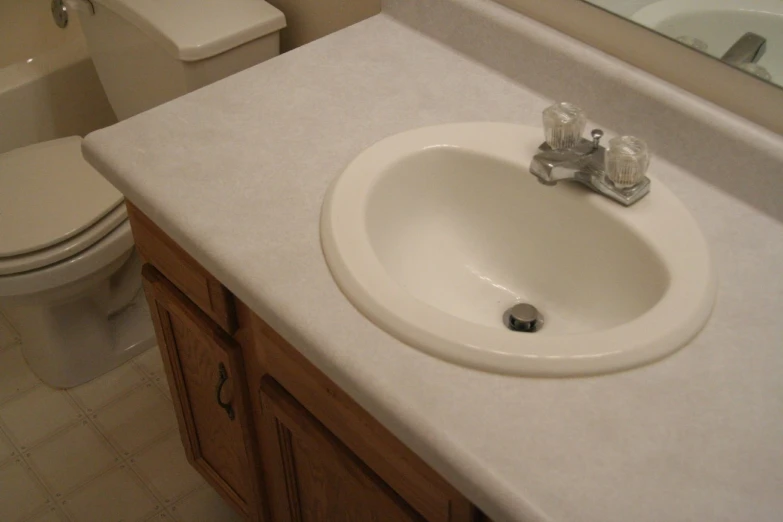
747,34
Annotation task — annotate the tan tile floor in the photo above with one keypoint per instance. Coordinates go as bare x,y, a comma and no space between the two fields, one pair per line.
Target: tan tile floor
106,451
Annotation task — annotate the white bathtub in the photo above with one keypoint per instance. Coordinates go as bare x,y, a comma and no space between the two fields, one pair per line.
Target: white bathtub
48,85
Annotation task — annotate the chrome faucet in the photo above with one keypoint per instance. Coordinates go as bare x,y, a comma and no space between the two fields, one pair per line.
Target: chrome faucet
617,173
748,49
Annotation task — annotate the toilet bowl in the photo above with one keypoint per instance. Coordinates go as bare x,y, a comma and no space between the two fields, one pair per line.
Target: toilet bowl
70,279
69,276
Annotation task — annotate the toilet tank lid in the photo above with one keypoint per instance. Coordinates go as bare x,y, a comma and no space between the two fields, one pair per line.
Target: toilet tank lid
192,30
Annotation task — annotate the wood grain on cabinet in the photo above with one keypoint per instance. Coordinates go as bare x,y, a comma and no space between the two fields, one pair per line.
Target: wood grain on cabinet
158,249
204,368
315,477
410,477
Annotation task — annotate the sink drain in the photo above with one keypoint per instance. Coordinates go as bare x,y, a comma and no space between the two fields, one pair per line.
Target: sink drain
523,317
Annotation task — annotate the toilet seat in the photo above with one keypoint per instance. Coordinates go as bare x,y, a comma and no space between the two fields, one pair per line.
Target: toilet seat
68,248
89,264
53,205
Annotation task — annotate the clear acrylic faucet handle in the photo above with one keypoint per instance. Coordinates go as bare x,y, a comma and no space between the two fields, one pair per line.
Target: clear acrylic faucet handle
564,124
627,160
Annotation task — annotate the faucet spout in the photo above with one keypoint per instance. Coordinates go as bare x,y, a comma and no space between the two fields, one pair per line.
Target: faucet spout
551,166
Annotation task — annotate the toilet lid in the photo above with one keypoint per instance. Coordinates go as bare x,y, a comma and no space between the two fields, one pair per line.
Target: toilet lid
49,194
62,251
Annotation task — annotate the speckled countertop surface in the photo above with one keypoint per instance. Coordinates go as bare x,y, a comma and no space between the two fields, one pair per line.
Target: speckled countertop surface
236,173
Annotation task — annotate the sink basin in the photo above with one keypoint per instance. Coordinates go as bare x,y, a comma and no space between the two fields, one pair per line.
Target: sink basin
720,23
433,234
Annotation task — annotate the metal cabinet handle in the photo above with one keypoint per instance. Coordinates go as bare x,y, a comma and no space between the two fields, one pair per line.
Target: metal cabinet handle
222,379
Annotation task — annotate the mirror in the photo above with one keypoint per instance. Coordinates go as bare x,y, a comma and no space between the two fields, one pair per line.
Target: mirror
746,34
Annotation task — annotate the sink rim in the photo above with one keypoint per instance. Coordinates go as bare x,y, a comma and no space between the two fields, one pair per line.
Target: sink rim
658,11
497,350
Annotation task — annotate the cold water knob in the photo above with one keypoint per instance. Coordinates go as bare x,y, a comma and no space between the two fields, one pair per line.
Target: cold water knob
627,159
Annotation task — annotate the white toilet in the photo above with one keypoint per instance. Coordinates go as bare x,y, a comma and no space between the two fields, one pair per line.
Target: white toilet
69,276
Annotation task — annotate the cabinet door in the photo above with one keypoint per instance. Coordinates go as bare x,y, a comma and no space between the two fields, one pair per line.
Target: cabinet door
206,376
313,476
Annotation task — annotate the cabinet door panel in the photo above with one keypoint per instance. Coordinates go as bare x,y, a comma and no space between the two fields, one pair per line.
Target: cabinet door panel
314,477
206,376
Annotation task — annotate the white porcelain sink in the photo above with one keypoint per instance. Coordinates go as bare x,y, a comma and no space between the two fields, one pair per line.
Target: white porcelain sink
720,23
434,233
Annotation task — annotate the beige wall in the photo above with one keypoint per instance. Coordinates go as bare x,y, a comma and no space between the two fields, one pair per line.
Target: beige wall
312,19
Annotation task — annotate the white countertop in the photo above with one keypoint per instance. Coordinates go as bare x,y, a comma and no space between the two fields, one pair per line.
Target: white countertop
236,173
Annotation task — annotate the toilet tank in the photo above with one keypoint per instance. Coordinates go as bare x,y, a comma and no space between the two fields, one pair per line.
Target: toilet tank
148,52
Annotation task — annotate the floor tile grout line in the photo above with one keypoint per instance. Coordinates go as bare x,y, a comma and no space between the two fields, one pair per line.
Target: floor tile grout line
19,393
156,494
19,455
89,411
150,379
63,500
54,506
85,414
50,436
24,449
30,470
85,418
115,445
92,414
116,449
15,451
160,504
144,447
120,462
165,391
129,459
58,497
121,465
147,486
157,516
142,368
185,496
6,325
12,344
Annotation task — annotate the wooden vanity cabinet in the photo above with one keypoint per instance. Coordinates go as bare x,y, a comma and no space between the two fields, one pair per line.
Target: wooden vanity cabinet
270,432
206,376
313,476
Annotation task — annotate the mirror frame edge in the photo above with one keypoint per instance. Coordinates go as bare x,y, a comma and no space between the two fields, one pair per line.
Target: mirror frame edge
706,77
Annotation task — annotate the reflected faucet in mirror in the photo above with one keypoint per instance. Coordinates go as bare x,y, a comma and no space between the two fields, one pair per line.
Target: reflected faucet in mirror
748,49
